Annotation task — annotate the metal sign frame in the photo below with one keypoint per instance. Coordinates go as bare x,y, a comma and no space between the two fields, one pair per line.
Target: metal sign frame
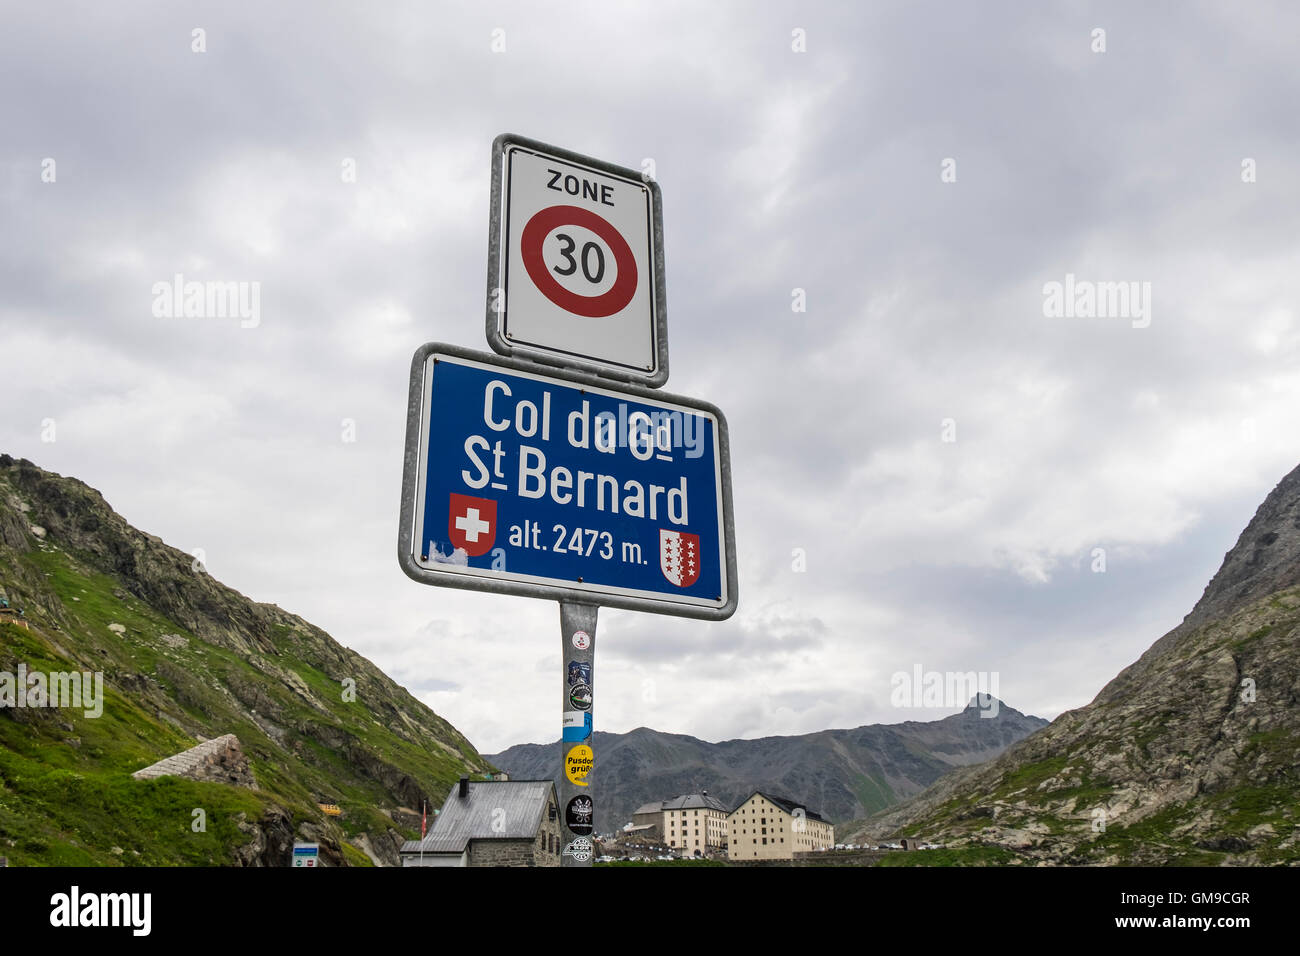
496,315
414,463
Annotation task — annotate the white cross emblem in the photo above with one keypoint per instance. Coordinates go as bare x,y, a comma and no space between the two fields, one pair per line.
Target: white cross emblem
472,525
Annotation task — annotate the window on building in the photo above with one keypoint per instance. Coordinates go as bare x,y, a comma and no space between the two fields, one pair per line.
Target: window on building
764,841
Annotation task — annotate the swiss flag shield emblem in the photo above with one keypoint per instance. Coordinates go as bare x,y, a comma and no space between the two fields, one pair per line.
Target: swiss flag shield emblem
472,524
679,557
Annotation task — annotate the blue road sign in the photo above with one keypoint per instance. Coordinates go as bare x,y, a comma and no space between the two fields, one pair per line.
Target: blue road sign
555,485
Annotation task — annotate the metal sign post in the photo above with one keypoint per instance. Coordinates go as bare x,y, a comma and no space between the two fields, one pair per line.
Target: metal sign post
577,808
555,468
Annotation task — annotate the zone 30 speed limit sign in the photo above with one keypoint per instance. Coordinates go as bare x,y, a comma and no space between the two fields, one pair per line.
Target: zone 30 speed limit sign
575,265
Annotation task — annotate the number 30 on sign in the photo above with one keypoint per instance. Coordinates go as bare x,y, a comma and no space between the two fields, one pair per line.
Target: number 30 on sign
576,263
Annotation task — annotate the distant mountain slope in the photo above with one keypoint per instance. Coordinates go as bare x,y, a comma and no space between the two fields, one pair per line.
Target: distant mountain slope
839,773
185,657
1190,755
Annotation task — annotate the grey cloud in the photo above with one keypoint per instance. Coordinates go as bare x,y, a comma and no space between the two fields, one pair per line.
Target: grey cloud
779,170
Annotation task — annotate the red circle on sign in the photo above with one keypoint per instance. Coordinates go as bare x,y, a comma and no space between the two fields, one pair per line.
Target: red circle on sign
592,306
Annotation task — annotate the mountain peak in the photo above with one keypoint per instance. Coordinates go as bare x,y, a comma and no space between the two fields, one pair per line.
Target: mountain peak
1265,559
986,704
1187,756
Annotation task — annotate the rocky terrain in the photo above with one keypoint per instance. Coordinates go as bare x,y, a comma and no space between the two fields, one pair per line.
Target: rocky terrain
1190,756
186,659
841,774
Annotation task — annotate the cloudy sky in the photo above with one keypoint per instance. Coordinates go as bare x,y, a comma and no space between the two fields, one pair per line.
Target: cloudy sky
947,455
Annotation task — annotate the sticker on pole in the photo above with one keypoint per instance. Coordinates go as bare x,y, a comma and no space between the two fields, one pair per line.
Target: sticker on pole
577,726
577,764
578,814
580,849
575,265
557,487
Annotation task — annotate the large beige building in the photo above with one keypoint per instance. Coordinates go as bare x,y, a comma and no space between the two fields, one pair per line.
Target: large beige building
765,827
693,825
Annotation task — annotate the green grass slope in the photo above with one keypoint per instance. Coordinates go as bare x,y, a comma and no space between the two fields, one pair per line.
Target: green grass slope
184,658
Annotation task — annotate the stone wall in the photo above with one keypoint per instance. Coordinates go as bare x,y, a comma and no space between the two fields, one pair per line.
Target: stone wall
502,853
828,858
220,760
549,834
535,852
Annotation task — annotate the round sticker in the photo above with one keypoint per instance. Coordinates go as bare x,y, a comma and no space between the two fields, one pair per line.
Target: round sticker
579,849
580,696
578,814
547,221
577,764
581,640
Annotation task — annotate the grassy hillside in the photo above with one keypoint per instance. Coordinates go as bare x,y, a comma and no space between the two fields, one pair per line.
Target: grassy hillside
184,658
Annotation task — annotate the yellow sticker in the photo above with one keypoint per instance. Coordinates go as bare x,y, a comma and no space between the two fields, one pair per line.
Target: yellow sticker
577,764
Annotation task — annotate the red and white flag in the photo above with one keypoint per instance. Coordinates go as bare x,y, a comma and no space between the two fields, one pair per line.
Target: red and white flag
679,557
424,817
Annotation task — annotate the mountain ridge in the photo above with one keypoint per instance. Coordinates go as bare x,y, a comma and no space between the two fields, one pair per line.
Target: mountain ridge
835,771
1188,756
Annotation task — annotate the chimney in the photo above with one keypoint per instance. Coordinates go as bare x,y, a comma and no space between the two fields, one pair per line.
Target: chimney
464,788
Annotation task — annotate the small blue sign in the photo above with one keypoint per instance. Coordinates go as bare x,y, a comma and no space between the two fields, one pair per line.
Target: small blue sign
305,854
530,478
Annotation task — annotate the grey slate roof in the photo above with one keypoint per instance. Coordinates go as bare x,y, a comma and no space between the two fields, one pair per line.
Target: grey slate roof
472,818
696,801
652,807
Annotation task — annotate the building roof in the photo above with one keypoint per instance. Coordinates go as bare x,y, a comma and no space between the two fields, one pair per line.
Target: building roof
786,804
653,807
696,801
475,816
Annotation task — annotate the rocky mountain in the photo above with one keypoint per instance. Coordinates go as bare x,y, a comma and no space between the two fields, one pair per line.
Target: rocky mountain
1190,756
841,774
183,659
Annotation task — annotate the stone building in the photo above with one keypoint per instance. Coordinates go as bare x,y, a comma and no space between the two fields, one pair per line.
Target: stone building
765,827
492,823
647,819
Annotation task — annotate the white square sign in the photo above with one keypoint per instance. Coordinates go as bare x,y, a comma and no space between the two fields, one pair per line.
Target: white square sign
576,263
